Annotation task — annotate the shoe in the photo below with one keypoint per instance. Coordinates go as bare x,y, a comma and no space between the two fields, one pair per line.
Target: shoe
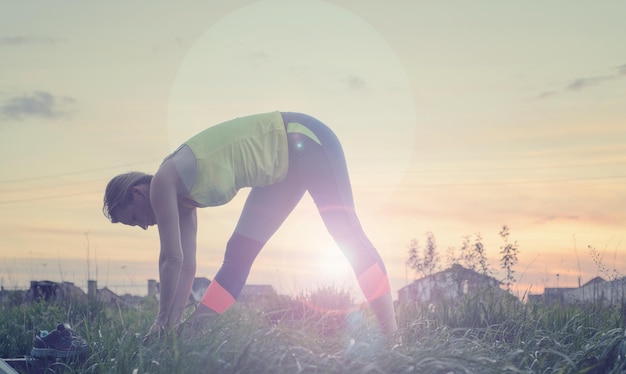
63,342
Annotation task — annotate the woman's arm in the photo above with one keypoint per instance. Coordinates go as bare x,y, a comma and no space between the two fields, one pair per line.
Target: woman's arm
164,201
188,231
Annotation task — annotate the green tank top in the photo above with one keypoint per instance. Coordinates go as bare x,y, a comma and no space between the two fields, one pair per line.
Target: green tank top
250,151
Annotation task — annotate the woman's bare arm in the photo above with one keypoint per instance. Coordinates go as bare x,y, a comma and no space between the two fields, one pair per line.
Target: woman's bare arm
164,201
188,231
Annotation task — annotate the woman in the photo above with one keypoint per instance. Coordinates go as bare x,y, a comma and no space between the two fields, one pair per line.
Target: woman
279,155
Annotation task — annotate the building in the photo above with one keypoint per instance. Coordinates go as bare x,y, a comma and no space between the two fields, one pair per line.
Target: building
198,288
596,290
250,292
106,296
448,285
49,291
54,291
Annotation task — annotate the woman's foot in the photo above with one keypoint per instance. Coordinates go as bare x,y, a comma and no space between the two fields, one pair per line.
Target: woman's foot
198,322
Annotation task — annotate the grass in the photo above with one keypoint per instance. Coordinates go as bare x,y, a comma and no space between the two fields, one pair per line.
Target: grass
481,334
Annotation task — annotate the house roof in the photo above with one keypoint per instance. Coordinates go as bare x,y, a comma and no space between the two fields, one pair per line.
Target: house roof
594,281
456,269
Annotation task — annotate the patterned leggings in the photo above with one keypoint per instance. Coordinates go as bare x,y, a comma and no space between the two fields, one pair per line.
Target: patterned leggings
319,168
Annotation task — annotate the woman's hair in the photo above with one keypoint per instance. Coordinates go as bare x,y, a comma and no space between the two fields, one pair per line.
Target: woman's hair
118,192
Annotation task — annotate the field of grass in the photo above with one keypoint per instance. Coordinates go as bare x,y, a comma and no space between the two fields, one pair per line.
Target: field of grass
482,334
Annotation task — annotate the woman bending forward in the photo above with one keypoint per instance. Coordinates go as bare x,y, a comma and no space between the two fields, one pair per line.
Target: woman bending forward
280,156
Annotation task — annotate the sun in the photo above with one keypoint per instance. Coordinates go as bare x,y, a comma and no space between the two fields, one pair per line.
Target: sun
333,267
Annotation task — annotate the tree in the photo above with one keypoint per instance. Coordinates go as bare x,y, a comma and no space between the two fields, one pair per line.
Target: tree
466,258
597,258
473,256
479,253
509,257
414,261
423,261
451,258
431,256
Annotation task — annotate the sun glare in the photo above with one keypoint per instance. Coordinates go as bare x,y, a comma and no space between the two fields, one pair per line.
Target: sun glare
333,267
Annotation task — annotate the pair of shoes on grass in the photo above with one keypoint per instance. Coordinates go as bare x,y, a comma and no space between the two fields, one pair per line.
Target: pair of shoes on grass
62,342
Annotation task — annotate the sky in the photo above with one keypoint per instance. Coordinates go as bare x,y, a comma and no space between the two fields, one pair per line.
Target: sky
456,118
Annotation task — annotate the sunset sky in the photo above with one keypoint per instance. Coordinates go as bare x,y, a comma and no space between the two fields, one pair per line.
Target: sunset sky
456,118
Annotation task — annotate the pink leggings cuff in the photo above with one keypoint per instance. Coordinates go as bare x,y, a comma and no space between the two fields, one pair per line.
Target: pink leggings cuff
217,298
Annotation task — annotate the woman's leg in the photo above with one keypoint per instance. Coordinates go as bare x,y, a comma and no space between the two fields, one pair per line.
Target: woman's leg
323,172
264,211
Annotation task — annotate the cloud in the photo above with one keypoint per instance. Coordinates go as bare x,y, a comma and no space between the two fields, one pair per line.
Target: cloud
542,217
40,104
584,83
546,94
258,58
355,83
21,40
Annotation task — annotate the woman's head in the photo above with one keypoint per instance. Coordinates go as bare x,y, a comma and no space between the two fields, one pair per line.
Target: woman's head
119,192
